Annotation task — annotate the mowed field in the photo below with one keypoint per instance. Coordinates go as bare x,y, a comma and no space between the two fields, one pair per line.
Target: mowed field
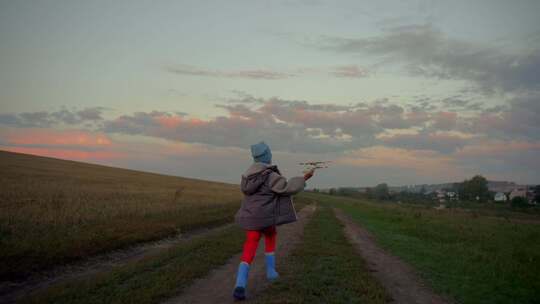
56,211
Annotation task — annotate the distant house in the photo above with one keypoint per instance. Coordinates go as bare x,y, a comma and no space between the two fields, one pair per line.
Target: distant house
452,195
440,195
443,195
500,197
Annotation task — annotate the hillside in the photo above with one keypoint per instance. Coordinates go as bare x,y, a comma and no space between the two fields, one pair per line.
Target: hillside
54,211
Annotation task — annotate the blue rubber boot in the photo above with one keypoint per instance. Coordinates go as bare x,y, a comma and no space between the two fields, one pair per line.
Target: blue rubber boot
241,281
271,273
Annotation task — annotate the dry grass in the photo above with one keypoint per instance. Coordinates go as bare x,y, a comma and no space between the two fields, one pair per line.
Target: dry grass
55,211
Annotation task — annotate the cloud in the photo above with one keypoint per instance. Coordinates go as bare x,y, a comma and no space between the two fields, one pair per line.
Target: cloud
364,145
240,129
440,142
248,74
49,119
340,71
461,103
67,144
502,159
420,162
444,121
301,126
520,119
52,138
496,148
349,71
91,114
28,119
35,136
288,125
424,50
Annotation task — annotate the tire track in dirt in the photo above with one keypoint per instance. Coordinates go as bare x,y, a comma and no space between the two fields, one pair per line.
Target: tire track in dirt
11,291
218,285
399,279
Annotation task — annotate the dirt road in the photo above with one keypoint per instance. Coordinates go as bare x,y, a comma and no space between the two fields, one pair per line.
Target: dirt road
11,291
399,279
217,287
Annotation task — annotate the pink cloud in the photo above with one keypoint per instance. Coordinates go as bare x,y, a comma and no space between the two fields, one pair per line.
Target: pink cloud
34,136
169,121
349,71
66,144
445,120
417,117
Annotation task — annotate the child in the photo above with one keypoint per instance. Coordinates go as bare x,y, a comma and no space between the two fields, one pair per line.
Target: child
263,188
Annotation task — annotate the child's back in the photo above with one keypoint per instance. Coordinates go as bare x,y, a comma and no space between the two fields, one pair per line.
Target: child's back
267,203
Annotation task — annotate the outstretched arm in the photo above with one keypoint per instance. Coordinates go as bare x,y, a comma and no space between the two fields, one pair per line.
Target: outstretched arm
281,185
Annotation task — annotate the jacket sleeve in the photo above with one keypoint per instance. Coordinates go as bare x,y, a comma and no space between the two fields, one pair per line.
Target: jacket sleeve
281,185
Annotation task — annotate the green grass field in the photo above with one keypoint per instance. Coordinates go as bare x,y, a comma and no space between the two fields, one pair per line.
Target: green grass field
324,269
56,211
473,259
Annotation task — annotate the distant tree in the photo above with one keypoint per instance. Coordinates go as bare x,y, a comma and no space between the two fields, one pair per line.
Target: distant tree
474,189
519,202
423,190
344,191
409,197
381,192
332,191
536,191
315,190
369,193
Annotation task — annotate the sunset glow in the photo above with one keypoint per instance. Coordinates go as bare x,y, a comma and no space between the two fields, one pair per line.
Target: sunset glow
391,91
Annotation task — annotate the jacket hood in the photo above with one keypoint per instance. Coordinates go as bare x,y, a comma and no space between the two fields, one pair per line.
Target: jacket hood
255,176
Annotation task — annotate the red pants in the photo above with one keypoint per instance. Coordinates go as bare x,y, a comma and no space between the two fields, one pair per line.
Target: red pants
252,241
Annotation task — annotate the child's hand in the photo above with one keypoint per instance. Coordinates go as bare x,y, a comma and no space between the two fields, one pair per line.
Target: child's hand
309,174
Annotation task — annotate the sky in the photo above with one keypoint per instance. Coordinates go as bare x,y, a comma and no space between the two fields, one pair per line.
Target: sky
401,92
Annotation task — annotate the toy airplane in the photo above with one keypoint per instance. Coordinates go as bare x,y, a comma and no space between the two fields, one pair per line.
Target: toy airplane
308,166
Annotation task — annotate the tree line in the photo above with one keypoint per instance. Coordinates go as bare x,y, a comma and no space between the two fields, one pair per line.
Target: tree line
473,190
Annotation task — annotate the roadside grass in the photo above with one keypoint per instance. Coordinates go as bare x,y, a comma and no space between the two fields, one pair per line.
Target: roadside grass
300,200
473,259
153,279
324,269
56,211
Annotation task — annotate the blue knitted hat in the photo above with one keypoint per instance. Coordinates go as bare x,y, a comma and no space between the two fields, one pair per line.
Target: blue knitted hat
261,153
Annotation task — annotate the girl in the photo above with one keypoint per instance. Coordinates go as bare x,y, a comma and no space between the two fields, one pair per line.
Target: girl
267,203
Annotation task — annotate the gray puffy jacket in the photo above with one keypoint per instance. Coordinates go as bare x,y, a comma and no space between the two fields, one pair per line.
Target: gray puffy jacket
267,197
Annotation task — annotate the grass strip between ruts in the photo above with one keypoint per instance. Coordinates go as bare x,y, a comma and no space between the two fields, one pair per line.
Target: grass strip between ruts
324,269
